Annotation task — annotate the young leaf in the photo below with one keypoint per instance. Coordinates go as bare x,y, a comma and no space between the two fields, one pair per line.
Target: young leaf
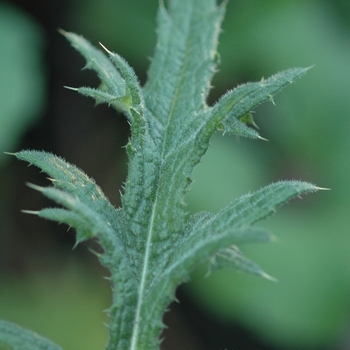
149,245
232,257
256,206
69,178
96,60
239,102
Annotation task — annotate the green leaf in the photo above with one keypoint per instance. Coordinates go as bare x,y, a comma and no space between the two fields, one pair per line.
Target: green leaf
244,212
71,179
183,64
89,211
97,61
119,86
150,245
256,206
235,219
23,93
14,337
237,104
81,216
214,245
133,89
232,257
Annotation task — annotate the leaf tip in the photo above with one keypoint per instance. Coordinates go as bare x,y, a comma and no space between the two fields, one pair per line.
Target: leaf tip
269,277
77,242
307,68
11,153
31,212
104,48
322,188
70,88
35,187
63,32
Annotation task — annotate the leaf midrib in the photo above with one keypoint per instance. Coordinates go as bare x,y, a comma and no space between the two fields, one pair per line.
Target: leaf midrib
134,339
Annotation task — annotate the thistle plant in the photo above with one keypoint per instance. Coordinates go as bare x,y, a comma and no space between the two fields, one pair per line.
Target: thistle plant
151,244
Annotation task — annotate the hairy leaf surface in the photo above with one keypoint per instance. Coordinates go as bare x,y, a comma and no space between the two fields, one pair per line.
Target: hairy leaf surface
150,245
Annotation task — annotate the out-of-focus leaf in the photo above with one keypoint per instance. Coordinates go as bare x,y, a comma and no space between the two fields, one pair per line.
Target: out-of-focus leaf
14,337
22,76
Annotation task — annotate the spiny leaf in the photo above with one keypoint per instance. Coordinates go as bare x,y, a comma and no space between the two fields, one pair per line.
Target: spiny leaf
72,219
85,219
246,210
239,215
14,337
183,63
83,214
132,85
209,244
232,257
97,60
72,180
239,102
119,85
149,245
251,208
162,287
120,103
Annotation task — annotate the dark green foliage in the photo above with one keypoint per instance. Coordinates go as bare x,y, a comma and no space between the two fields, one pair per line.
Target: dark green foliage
150,245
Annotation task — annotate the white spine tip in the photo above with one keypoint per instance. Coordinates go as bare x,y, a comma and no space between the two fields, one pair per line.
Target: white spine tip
104,48
61,31
322,188
32,212
35,187
71,88
268,277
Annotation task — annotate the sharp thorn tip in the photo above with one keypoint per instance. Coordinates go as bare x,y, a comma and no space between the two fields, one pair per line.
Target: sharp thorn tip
32,212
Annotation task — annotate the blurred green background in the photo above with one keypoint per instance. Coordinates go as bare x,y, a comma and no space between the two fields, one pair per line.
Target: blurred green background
60,293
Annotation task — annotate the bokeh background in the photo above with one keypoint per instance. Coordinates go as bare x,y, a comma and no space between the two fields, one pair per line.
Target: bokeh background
60,293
